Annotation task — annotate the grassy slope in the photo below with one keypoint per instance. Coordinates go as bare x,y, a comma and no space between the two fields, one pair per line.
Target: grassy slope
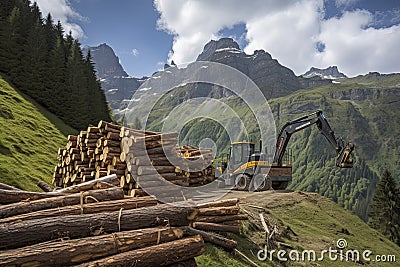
315,222
370,121
29,139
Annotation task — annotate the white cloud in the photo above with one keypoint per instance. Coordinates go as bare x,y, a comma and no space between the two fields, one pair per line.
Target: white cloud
61,10
289,30
135,52
357,48
290,35
194,23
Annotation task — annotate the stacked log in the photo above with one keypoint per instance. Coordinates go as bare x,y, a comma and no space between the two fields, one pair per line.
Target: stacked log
96,228
132,155
149,156
89,156
87,226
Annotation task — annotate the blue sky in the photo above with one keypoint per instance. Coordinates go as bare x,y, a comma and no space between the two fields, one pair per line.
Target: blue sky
357,35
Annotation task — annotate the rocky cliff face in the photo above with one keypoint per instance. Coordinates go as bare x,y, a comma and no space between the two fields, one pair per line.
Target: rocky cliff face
106,62
331,73
116,83
272,78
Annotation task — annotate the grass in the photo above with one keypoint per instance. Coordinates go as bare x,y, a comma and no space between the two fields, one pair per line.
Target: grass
315,223
319,223
29,139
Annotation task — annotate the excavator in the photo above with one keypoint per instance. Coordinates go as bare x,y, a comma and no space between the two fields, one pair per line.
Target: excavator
246,169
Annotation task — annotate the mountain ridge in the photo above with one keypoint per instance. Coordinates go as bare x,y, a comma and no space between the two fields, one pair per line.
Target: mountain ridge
330,73
116,83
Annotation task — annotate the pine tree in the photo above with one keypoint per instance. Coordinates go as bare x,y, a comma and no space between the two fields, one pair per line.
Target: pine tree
48,66
384,212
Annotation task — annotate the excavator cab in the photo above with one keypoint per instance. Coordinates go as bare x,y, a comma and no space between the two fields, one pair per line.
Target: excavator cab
240,153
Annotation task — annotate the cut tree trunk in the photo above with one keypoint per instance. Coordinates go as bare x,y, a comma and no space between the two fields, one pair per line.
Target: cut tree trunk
216,227
158,255
8,187
232,210
12,196
219,219
77,226
61,201
144,170
44,186
111,179
107,206
71,252
212,238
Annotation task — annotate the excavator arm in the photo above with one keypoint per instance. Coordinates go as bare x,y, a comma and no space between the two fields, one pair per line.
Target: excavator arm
344,158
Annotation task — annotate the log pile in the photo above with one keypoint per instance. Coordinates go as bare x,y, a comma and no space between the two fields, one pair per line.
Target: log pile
96,228
113,149
95,224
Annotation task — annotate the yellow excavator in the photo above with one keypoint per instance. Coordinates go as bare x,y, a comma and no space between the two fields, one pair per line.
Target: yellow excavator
246,169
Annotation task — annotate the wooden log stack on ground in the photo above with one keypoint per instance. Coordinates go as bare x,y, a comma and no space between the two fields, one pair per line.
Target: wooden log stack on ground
96,228
131,155
86,226
89,156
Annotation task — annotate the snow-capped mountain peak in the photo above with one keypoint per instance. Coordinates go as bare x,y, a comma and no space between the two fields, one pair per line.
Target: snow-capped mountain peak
331,73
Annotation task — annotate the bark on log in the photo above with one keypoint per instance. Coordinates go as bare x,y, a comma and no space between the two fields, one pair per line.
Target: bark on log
9,187
153,151
61,201
77,226
111,179
71,252
219,211
150,144
220,219
97,207
158,255
156,137
44,186
216,227
144,170
13,196
212,238
219,203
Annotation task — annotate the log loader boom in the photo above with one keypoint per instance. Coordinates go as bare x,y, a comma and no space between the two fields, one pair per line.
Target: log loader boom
344,158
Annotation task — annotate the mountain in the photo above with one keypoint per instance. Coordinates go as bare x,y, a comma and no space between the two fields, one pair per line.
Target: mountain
116,83
363,109
331,73
29,139
271,77
107,63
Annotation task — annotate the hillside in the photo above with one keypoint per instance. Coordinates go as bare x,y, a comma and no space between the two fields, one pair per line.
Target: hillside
29,139
365,113
364,110
304,221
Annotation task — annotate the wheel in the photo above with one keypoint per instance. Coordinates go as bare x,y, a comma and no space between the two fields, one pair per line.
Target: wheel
243,182
261,182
